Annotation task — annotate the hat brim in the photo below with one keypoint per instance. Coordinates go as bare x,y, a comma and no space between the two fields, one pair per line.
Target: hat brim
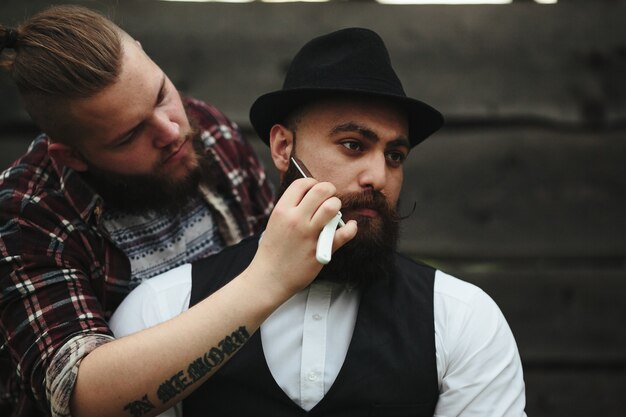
274,107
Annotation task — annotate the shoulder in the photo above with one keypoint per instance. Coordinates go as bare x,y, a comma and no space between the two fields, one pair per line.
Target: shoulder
468,320
30,173
455,291
33,184
449,293
451,296
199,107
32,198
463,306
36,154
221,137
210,119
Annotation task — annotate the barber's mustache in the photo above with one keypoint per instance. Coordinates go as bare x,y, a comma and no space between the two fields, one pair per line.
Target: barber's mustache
171,149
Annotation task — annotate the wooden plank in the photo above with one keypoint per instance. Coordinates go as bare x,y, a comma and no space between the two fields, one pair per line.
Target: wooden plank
575,392
560,316
533,192
472,62
561,63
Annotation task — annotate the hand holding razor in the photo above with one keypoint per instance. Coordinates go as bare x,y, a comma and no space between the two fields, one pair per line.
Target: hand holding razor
325,241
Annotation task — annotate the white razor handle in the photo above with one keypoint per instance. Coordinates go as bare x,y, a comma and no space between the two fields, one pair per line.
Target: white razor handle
325,242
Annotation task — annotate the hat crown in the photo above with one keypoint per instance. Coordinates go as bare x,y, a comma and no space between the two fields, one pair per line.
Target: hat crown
348,59
350,62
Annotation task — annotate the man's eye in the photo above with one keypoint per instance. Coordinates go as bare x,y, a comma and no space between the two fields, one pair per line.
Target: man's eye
161,96
126,141
396,157
352,145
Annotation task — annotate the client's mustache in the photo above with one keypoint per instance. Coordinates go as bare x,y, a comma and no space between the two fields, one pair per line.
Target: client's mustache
371,199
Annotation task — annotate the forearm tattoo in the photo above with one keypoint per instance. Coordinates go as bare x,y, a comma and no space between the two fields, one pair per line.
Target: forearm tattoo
196,370
139,407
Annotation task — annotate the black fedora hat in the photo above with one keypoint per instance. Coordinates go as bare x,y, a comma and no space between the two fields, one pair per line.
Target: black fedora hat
351,61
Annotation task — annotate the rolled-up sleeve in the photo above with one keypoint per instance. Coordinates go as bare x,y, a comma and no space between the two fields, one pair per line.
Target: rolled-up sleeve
63,370
48,310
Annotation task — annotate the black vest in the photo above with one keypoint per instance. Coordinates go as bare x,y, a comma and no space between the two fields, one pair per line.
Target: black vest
390,368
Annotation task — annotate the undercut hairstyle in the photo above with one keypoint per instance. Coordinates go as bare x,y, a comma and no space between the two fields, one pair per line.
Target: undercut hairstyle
62,53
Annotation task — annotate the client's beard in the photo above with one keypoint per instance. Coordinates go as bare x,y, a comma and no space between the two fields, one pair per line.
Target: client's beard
140,194
370,255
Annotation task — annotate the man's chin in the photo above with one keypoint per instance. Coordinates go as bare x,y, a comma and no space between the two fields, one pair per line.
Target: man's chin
139,194
370,229
181,171
184,155
368,257
360,262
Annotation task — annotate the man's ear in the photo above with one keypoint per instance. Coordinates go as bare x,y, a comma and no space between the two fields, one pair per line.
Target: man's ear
281,146
67,156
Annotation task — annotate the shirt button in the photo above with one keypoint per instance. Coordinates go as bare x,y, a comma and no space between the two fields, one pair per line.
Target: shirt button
317,317
312,376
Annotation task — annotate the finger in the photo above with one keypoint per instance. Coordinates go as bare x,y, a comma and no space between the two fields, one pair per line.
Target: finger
325,212
315,198
296,191
345,234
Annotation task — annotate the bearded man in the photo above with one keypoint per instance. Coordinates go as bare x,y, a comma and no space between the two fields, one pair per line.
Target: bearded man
375,334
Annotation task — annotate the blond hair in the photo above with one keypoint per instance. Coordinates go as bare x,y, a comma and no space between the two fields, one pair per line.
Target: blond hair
61,53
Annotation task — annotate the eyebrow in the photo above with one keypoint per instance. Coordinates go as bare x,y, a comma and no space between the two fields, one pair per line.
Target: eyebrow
158,98
369,134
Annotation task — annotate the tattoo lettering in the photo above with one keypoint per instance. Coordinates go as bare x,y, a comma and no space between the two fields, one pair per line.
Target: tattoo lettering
140,407
172,387
241,336
214,357
201,366
197,369
228,345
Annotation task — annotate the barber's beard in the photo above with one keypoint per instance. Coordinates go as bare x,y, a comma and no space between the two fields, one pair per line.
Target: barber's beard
155,192
370,255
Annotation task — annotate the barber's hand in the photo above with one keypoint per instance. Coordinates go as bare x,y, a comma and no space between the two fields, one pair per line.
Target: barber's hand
287,250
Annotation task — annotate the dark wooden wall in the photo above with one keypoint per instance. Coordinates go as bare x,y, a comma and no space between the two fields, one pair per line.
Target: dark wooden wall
523,192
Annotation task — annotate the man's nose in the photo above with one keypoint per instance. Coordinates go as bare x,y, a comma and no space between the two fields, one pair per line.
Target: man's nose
374,173
166,131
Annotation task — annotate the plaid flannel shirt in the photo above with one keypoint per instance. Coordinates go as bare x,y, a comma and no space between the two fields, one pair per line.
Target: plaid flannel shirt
61,277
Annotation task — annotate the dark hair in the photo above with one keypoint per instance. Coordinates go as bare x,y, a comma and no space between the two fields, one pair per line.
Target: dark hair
8,38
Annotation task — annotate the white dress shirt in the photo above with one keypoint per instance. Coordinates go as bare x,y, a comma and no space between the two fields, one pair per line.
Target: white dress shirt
305,341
